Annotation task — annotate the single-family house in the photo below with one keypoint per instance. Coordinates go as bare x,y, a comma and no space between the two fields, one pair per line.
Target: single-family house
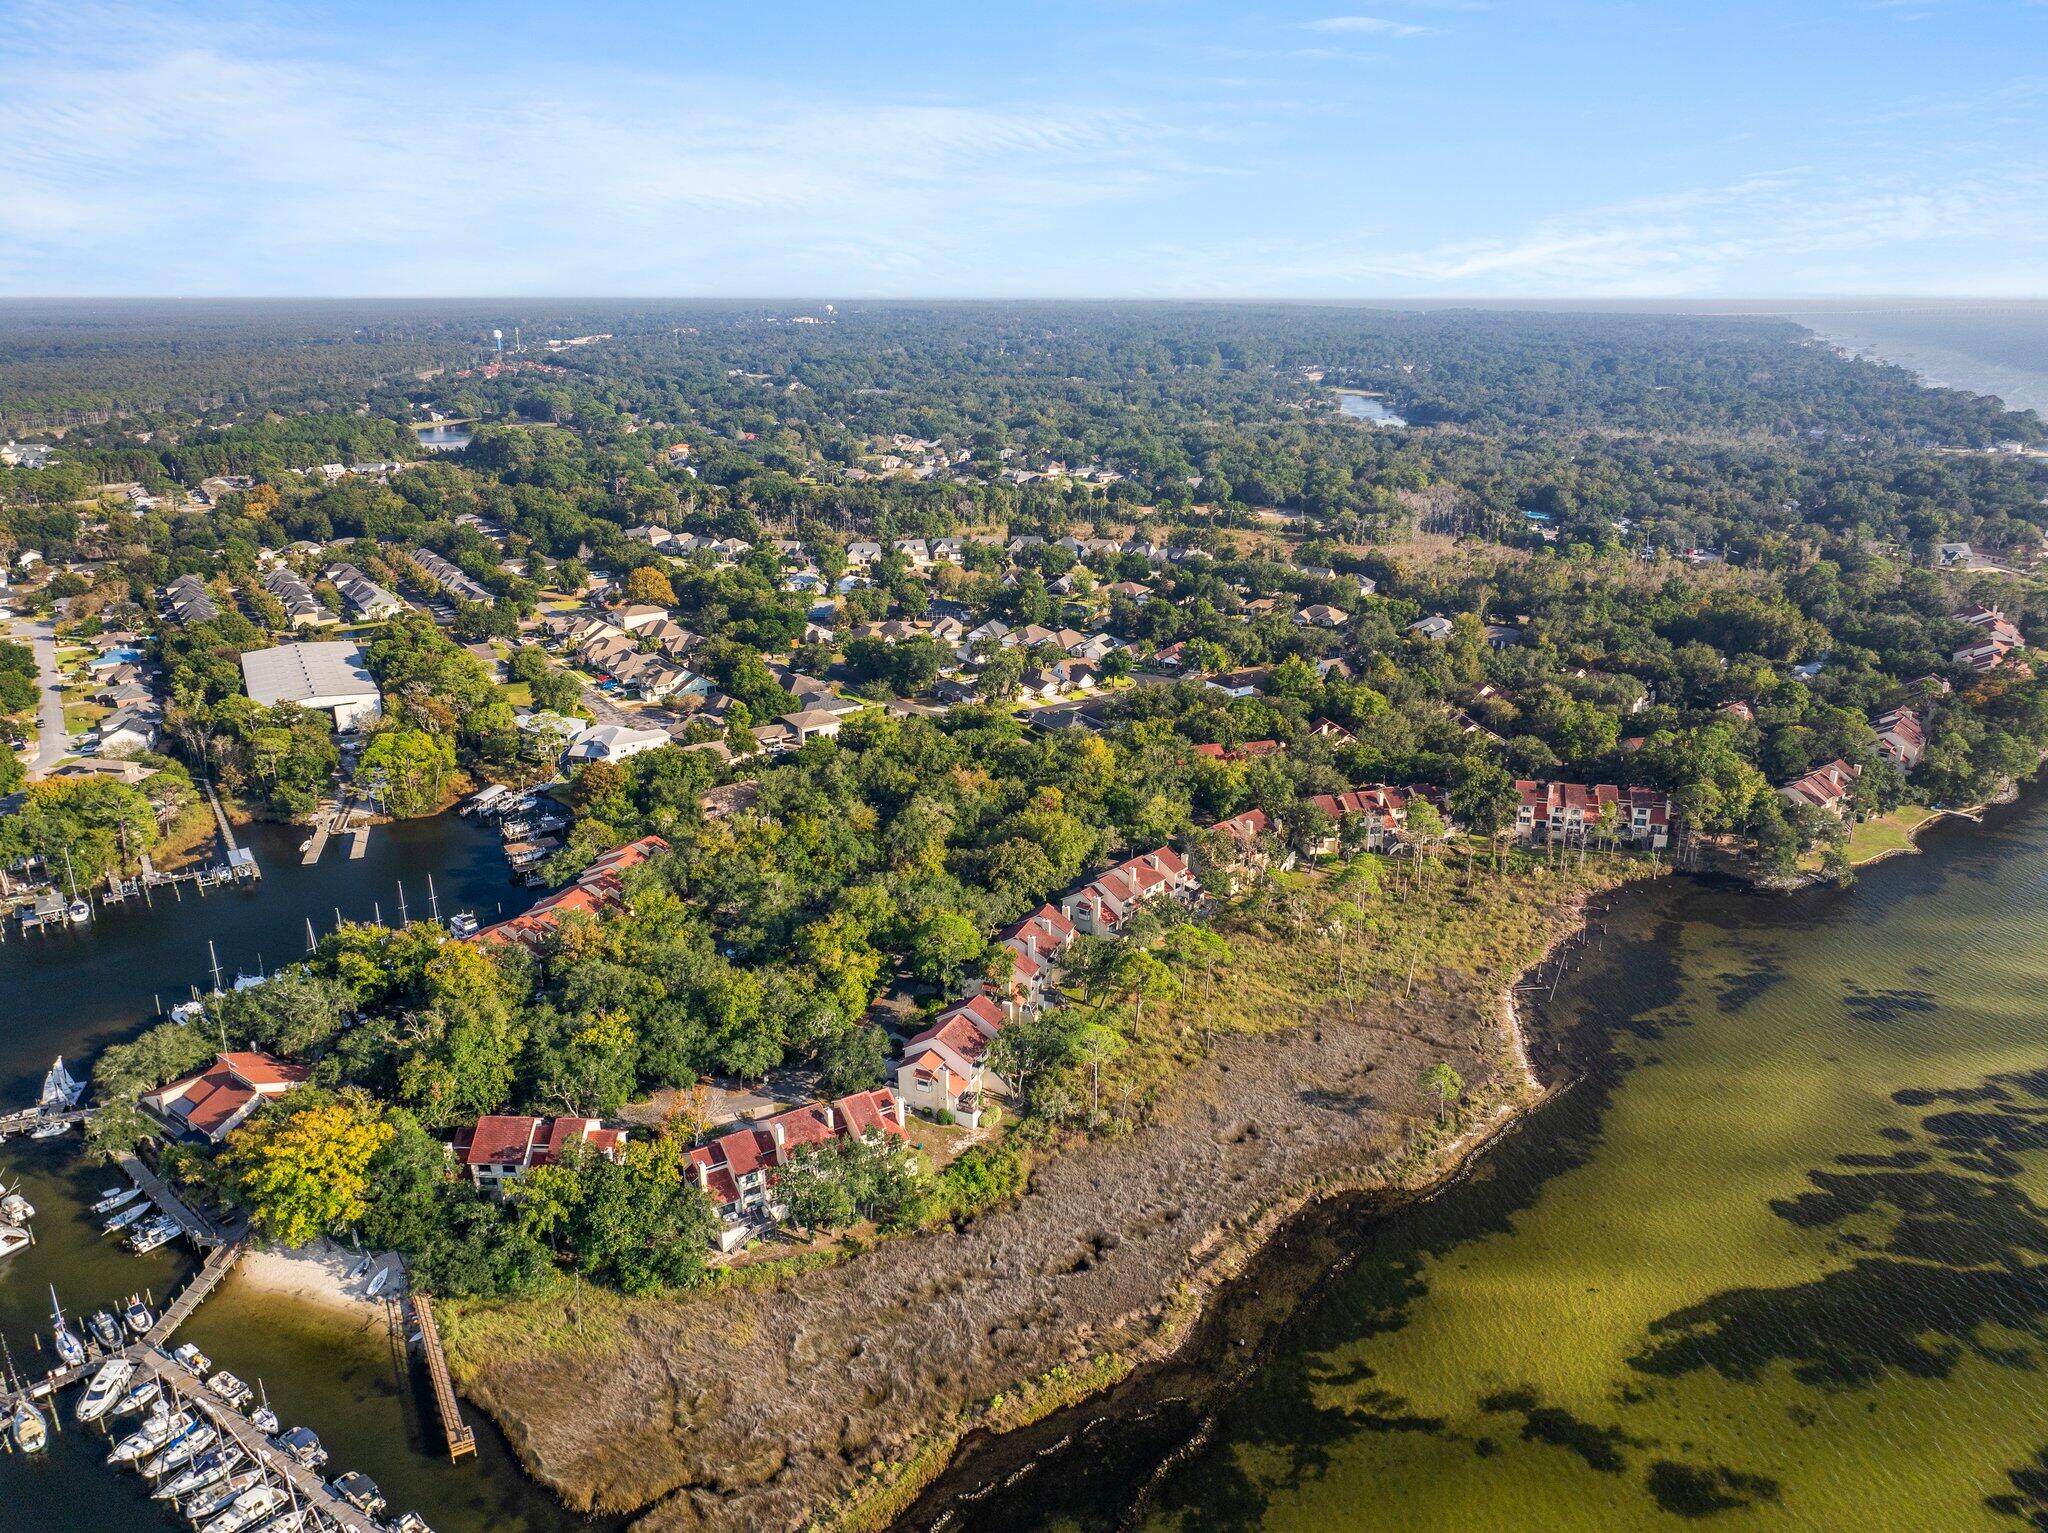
220,1099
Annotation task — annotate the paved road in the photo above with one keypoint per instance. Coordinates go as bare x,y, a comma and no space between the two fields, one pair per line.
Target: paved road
54,743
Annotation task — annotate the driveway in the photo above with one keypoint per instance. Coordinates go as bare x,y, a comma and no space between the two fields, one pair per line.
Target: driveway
54,744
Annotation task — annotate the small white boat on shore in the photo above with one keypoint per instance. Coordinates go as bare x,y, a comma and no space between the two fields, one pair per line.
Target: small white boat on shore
106,1389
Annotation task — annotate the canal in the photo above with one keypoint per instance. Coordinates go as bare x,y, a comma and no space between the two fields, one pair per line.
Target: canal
1779,1259
73,991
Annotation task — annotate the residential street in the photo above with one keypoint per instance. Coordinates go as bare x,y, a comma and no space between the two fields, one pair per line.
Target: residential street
53,744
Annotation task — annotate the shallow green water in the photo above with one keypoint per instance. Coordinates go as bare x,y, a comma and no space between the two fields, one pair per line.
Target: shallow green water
1781,1262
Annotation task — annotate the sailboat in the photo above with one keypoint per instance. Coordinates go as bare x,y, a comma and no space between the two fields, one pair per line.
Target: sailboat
61,1090
263,1418
31,1433
70,1350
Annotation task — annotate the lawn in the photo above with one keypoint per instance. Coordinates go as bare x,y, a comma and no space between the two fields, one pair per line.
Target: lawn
1887,835
79,717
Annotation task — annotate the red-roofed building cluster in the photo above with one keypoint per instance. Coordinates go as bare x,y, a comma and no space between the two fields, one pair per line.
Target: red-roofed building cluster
220,1099
1381,812
503,1147
597,888
1102,906
738,1167
1997,639
1569,811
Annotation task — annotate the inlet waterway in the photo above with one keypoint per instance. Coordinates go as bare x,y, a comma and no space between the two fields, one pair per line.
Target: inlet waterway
74,991
1778,1259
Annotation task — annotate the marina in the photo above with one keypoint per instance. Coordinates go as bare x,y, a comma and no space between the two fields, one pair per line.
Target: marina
345,1371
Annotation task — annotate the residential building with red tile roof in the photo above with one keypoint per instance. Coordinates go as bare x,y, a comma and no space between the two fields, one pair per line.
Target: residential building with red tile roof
1901,737
737,1168
503,1147
597,888
1100,907
221,1098
945,1067
1381,811
1568,811
1831,787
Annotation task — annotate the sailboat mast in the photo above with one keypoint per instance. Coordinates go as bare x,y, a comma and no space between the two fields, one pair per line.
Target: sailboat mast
433,900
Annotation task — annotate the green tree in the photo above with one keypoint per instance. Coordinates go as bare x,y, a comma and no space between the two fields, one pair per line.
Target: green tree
301,1167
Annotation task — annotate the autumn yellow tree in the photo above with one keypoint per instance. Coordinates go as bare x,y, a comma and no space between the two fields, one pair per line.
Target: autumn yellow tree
301,1166
648,584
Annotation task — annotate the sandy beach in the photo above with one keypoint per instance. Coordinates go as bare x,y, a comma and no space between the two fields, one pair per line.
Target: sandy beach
324,1273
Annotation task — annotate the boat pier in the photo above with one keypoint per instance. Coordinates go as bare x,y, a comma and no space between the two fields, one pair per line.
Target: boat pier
461,1437
241,861
201,1231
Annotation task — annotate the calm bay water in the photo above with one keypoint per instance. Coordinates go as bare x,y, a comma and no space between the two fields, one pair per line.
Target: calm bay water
76,991
1779,1260
1984,347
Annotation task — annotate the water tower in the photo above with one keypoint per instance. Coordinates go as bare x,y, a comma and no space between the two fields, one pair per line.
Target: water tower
498,343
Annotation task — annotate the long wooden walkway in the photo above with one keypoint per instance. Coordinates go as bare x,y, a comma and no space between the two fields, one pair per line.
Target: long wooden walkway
461,1437
218,1264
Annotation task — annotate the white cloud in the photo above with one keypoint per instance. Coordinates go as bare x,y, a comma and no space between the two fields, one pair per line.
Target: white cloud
1378,26
215,155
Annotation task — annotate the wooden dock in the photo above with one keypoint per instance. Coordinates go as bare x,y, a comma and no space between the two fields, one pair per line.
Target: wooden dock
201,1231
461,1437
242,862
218,1264
35,1117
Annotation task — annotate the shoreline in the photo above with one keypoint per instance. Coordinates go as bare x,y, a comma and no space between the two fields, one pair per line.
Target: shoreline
1389,1188
810,1401
322,1276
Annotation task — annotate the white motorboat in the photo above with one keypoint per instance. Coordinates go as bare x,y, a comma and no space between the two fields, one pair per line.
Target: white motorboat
462,924
247,1509
192,1360
156,1430
134,1213
105,1329
359,1491
15,1208
70,1350
78,912
145,1391
31,1432
54,1128
410,1522
61,1089
137,1315
14,1238
159,1232
188,1011
288,1522
106,1388
215,1499
230,1388
303,1445
116,1198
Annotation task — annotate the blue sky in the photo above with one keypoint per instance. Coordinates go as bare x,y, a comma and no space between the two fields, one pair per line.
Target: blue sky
1185,148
